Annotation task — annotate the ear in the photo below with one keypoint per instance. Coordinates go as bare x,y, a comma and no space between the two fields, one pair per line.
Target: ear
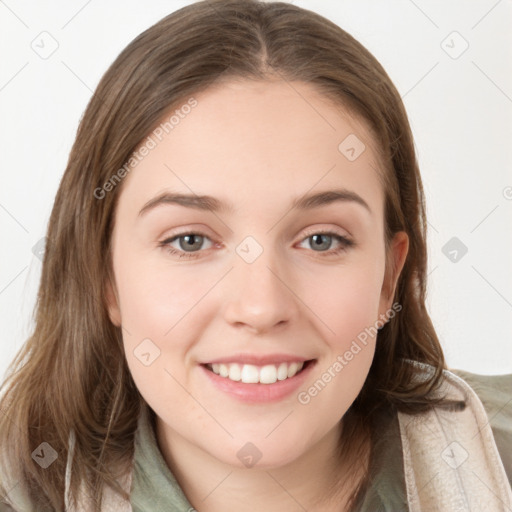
395,260
114,312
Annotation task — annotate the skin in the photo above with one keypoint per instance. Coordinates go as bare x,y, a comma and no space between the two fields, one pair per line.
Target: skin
257,145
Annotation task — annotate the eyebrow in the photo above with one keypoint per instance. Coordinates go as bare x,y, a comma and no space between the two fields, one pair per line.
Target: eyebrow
209,203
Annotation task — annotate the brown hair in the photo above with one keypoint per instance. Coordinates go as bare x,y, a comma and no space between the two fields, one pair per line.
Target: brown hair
72,374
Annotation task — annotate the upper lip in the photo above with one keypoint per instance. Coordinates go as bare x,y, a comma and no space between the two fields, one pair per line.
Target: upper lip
259,359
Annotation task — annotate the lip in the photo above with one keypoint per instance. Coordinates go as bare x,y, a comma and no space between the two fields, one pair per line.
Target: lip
259,393
259,359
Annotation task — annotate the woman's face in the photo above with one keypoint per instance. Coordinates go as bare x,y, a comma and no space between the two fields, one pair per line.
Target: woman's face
282,266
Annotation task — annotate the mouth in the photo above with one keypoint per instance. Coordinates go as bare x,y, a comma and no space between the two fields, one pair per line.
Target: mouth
259,374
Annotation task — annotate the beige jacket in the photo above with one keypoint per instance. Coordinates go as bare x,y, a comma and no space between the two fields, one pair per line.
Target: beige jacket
451,462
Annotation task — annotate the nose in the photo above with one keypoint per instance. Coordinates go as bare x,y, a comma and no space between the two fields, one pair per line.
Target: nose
261,295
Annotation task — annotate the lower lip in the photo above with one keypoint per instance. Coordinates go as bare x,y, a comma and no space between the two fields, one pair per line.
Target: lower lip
259,393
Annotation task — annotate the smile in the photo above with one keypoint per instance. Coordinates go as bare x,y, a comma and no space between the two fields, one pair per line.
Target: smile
252,374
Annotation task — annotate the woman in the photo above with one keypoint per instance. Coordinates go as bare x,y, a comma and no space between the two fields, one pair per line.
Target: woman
232,306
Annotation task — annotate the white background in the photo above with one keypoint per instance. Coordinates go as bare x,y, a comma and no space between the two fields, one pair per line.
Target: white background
460,110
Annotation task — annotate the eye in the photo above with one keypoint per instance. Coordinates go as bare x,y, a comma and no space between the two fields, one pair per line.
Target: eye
191,244
188,244
322,242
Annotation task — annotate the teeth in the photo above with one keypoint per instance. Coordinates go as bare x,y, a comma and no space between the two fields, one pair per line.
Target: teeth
235,372
282,371
268,374
251,374
292,369
223,370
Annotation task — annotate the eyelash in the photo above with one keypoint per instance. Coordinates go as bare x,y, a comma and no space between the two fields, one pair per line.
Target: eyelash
344,244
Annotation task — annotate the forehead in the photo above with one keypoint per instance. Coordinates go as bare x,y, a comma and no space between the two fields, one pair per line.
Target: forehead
257,143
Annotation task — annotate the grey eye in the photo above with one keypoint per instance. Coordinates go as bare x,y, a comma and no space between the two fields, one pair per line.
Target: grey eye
320,242
191,242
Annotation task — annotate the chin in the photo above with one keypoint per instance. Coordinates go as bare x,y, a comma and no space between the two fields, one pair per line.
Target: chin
260,454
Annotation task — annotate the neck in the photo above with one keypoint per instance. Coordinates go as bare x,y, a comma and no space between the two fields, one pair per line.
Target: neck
307,483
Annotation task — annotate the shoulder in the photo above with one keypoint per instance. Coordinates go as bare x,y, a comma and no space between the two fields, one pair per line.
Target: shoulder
495,393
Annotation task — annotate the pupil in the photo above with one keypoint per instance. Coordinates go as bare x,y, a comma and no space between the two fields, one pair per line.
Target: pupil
191,242
321,241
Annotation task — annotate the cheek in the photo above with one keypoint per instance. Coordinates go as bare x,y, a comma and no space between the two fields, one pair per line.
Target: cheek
155,295
156,303
348,310
346,299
